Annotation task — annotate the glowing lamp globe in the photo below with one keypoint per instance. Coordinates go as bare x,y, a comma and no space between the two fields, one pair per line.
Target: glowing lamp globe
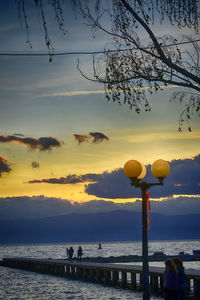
132,168
160,168
143,173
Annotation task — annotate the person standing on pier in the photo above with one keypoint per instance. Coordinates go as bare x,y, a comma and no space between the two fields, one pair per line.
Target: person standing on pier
171,281
67,252
79,252
71,253
182,283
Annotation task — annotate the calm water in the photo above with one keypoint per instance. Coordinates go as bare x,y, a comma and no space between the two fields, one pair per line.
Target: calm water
19,284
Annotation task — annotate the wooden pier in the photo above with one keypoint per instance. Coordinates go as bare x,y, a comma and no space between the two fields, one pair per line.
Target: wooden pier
116,275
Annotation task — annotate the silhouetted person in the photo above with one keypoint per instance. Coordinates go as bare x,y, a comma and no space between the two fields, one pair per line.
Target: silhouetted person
71,253
171,281
182,282
79,252
67,252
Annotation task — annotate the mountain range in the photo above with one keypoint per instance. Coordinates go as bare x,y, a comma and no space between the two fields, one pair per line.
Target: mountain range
117,225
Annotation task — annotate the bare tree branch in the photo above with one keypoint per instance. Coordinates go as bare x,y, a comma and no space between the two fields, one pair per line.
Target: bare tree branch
127,75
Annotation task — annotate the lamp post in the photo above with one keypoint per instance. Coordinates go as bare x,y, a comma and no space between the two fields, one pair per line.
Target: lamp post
137,171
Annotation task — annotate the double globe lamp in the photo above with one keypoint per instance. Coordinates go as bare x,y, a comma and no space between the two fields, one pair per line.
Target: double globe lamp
136,171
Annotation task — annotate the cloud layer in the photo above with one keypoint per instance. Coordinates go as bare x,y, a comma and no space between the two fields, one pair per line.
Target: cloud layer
42,143
40,206
183,180
70,179
4,167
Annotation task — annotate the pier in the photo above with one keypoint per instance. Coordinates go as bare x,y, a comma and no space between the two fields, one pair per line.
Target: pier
116,275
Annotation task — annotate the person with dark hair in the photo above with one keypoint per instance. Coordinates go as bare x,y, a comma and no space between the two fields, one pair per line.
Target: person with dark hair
79,252
71,253
182,281
171,281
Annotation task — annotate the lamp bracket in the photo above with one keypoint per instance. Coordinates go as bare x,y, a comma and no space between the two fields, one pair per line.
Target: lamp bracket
144,186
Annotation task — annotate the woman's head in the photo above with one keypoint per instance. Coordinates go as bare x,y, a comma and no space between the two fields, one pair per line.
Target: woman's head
178,262
170,265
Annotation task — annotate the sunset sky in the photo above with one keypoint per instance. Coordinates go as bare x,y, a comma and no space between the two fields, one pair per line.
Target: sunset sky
41,99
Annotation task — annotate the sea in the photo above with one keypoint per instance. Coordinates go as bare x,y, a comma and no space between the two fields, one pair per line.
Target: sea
20,284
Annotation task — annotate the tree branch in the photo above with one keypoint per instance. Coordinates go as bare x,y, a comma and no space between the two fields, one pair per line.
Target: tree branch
162,57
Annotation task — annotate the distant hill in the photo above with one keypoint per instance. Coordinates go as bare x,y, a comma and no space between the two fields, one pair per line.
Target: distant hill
106,226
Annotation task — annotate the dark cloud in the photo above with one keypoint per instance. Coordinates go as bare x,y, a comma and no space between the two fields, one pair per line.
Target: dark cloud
41,206
70,179
35,164
42,143
181,205
81,137
33,207
18,134
183,179
4,167
98,137
110,185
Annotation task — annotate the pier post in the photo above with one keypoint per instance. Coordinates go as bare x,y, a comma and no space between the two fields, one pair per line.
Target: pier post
91,274
99,275
73,272
52,269
140,275
67,270
161,282
45,268
124,279
115,277
154,282
61,270
55,269
79,273
33,267
188,283
85,274
107,276
42,267
133,280
197,288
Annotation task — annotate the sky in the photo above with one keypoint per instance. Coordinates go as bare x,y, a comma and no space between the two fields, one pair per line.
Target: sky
63,145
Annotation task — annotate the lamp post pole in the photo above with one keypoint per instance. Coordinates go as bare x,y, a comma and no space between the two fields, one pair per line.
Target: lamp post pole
144,186
136,171
145,273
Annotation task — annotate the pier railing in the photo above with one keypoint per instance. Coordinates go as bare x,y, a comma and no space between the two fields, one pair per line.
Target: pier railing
116,275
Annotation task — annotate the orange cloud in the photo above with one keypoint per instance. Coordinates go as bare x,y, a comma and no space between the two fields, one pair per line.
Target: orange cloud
81,137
